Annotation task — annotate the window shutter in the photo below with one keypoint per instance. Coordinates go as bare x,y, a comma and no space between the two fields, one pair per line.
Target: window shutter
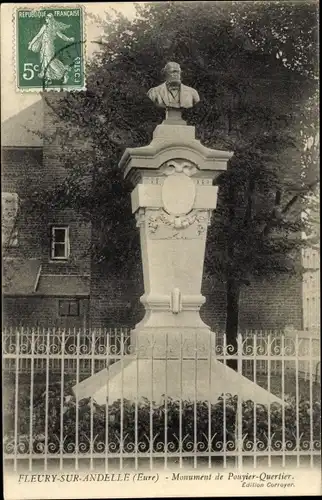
69,307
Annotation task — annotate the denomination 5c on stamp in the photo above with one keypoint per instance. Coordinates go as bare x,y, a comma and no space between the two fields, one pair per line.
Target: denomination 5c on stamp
50,48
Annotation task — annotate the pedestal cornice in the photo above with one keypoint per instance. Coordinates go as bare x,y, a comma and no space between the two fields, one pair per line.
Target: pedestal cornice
171,142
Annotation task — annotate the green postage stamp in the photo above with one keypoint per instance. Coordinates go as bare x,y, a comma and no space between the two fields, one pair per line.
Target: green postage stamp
49,48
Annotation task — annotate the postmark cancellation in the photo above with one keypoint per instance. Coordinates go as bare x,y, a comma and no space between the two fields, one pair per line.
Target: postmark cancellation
49,48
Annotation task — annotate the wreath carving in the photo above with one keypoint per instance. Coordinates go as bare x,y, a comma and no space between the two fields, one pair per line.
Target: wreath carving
177,222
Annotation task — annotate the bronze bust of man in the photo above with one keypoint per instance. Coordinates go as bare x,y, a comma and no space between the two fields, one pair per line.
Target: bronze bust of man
172,93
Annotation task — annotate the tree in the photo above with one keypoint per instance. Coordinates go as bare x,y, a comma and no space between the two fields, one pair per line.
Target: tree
254,65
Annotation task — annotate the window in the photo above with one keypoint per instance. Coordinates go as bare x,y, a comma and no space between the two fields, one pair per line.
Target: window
69,307
59,243
9,207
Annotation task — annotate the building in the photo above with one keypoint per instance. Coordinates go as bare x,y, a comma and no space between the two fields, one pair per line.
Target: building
46,277
51,279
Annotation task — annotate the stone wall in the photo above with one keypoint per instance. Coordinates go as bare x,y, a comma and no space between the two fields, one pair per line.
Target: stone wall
21,171
272,304
264,305
41,311
114,301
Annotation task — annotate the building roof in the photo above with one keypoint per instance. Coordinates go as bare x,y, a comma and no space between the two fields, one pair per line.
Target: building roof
24,128
63,285
23,277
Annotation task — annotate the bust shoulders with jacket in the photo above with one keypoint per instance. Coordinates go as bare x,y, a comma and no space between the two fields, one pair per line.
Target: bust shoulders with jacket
188,96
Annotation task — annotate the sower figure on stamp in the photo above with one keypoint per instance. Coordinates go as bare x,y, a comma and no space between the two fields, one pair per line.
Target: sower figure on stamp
172,94
51,67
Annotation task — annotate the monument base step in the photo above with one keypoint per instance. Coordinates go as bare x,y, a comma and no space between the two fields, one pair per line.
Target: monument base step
154,379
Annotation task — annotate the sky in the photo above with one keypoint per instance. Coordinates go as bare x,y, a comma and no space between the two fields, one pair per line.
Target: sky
13,101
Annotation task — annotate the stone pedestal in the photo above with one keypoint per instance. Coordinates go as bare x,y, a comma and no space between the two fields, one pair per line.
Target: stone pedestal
172,200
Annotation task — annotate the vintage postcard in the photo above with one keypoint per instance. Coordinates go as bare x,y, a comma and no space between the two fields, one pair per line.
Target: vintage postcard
160,249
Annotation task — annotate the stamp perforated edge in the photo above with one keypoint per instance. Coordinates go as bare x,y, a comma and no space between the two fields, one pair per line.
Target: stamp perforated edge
15,51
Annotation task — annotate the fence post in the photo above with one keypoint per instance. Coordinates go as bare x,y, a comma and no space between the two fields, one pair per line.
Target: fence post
283,399
47,395
31,397
224,400
180,401
209,403
92,335
297,399
195,430
136,416
107,337
122,398
311,401
269,374
239,404
78,343
62,398
255,407
16,397
166,403
151,405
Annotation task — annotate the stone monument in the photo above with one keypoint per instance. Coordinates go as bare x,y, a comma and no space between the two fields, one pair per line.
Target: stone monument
173,350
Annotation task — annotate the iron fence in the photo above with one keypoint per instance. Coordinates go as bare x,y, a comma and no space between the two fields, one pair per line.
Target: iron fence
46,423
